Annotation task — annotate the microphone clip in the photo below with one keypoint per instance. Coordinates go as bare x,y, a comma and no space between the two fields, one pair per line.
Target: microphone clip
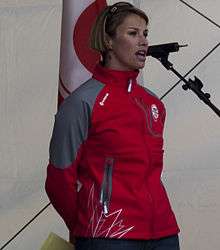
162,51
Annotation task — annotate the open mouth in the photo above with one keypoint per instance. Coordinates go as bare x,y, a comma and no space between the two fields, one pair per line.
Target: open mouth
141,55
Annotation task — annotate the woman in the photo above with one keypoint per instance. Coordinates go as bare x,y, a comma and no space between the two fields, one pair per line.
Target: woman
106,151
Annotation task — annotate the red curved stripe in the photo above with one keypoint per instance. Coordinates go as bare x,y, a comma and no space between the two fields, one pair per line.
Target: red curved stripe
60,99
87,56
63,86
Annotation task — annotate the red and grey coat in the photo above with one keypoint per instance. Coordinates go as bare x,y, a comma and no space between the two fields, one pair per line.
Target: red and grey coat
106,158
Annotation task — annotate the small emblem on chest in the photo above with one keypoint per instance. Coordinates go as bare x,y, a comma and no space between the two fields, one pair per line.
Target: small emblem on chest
102,103
155,112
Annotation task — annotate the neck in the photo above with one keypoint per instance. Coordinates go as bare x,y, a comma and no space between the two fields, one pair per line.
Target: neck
110,62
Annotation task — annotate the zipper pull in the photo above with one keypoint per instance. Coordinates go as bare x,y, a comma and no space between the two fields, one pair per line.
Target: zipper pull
129,85
105,208
109,162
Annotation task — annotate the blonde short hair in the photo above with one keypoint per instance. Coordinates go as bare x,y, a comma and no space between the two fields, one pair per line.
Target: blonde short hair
108,21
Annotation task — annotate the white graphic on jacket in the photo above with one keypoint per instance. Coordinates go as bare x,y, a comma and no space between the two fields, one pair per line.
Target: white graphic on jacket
98,221
155,112
104,99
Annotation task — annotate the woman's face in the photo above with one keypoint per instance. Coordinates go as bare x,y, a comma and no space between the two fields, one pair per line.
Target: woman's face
128,49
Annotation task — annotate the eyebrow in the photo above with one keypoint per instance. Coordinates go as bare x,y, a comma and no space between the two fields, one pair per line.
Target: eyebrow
131,27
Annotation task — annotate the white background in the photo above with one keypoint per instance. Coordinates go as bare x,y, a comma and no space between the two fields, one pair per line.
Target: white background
29,63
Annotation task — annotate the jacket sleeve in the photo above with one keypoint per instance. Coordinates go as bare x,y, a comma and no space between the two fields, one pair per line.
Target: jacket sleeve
70,131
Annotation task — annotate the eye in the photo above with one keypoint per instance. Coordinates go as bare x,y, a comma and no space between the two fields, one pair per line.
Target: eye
145,33
132,33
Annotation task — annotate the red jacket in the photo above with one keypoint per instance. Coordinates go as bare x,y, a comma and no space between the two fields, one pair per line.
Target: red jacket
106,158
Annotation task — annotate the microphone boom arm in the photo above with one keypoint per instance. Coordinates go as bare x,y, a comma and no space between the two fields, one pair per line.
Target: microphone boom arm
194,85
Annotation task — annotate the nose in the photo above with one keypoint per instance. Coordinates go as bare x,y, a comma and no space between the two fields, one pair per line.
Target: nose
143,41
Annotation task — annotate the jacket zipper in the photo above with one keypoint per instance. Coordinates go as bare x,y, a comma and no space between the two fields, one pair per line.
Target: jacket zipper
106,188
142,106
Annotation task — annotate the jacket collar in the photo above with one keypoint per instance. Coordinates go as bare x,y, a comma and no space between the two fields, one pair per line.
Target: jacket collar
116,77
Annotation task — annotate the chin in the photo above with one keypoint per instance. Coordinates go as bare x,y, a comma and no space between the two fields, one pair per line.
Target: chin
140,66
136,66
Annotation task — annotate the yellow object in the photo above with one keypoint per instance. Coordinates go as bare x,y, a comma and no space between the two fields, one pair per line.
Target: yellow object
55,242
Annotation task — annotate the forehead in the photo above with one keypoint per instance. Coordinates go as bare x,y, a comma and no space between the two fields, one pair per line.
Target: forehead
133,20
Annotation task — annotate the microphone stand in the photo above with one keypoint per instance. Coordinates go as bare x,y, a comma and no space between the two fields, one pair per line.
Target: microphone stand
194,85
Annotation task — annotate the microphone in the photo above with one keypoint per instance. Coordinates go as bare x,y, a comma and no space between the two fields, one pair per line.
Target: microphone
163,49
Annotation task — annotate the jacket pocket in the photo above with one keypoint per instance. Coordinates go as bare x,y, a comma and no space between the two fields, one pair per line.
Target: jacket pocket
106,187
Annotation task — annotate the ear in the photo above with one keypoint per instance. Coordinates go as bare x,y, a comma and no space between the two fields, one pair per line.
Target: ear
108,42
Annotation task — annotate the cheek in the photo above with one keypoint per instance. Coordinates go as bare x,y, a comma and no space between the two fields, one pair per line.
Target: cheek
125,48
128,44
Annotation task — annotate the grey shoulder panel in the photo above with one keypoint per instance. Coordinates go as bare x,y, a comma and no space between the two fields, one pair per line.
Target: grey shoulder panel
72,122
150,92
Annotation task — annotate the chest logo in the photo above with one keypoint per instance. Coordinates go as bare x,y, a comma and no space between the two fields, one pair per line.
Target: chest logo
155,112
102,103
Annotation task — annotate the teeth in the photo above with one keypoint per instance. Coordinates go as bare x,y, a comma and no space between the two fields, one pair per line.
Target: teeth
141,53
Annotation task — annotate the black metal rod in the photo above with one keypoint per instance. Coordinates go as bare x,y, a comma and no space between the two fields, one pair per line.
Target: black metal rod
27,224
194,85
195,66
198,92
